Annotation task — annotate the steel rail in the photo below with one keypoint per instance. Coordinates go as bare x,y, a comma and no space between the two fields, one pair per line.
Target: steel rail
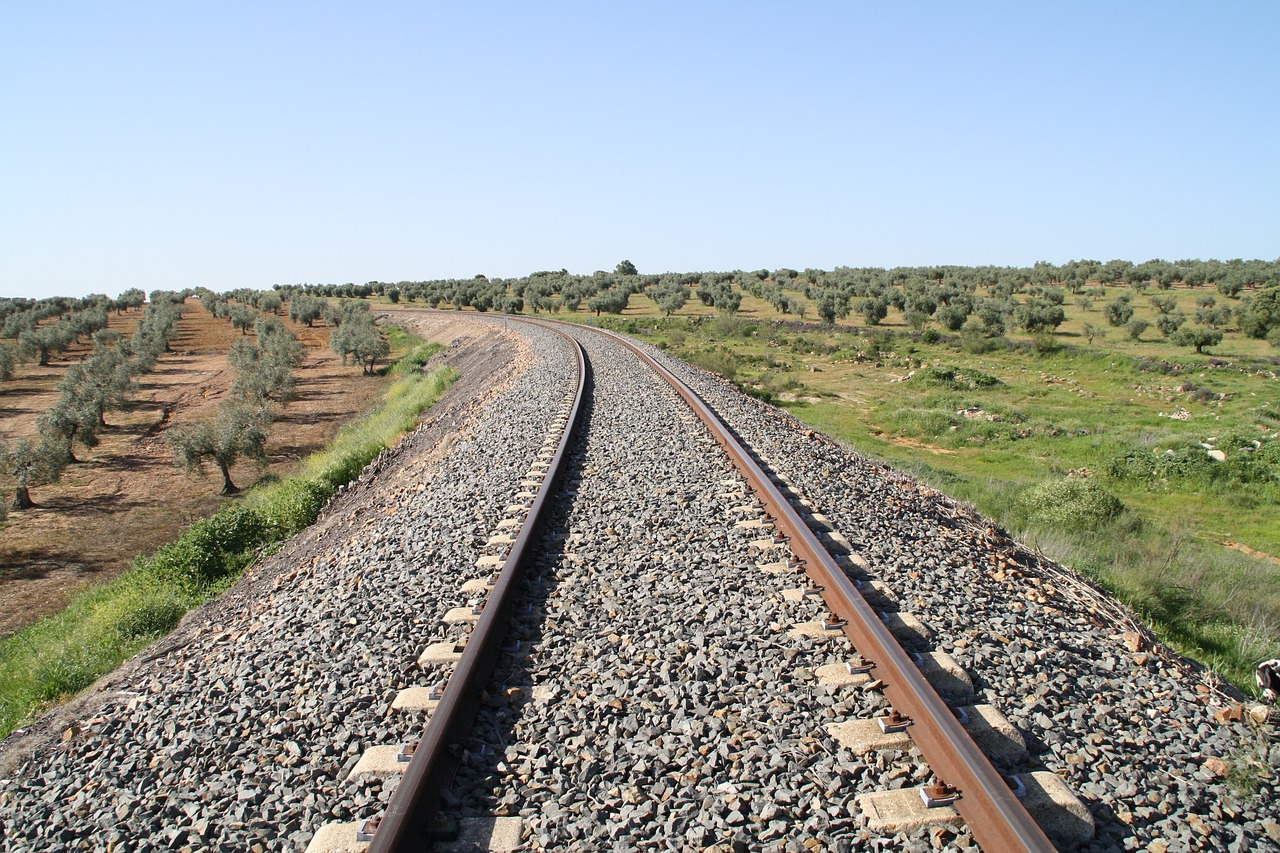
407,821
993,813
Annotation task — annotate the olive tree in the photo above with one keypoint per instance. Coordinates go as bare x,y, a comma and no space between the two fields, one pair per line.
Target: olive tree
1262,315
1170,323
1038,315
1118,311
242,317
27,464
304,308
361,340
1197,337
71,420
238,431
873,310
670,297
831,304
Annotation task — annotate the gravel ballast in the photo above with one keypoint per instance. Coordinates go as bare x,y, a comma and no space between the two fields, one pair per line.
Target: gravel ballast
656,699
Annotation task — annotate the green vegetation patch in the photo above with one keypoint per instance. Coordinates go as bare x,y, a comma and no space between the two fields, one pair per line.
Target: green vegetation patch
1148,509
955,377
101,628
1070,504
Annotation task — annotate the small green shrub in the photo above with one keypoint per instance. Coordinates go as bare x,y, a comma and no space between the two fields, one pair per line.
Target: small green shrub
1070,504
920,422
1045,343
717,361
147,611
954,377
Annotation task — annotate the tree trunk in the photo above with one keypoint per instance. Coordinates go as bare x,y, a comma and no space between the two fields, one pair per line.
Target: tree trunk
44,358
22,498
228,487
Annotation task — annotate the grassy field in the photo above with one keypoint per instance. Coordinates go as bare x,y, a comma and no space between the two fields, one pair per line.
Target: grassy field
1151,468
104,626
1190,542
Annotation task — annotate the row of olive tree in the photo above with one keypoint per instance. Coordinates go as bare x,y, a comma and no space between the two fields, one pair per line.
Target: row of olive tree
357,336
264,368
41,328
100,382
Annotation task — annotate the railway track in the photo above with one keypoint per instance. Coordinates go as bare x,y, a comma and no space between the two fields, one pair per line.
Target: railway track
963,783
670,679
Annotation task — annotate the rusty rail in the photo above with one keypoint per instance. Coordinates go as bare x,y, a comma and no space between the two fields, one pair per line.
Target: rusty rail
407,822
993,813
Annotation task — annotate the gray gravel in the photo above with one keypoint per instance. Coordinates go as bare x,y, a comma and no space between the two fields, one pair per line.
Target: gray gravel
678,713
661,704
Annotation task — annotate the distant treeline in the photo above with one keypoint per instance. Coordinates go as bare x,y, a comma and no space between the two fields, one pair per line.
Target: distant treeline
1029,298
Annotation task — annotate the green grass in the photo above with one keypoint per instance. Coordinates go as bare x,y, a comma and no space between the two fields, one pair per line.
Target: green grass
1001,429
65,653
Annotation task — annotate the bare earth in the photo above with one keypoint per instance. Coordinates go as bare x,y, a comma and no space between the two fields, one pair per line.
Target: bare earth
126,497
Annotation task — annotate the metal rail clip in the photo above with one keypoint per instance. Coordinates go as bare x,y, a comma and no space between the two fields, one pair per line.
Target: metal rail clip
1019,789
893,722
940,794
367,829
406,751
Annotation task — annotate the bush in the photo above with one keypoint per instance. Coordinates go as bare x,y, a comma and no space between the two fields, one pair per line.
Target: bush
1070,504
1045,343
953,377
149,610
921,422
717,361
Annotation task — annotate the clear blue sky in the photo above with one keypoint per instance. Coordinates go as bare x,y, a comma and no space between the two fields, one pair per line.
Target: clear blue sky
230,144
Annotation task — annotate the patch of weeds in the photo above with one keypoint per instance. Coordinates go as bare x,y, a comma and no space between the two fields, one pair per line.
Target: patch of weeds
967,378
917,422
413,361
1252,765
728,326
1070,504
716,361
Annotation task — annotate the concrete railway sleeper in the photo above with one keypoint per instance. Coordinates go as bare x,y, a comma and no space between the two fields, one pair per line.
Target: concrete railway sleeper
962,787
672,678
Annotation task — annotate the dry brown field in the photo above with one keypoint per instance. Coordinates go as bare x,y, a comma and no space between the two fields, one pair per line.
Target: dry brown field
125,497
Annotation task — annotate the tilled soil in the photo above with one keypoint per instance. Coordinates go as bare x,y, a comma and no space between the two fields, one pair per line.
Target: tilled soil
107,509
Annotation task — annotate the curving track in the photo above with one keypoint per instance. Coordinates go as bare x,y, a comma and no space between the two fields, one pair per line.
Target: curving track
672,686
984,798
